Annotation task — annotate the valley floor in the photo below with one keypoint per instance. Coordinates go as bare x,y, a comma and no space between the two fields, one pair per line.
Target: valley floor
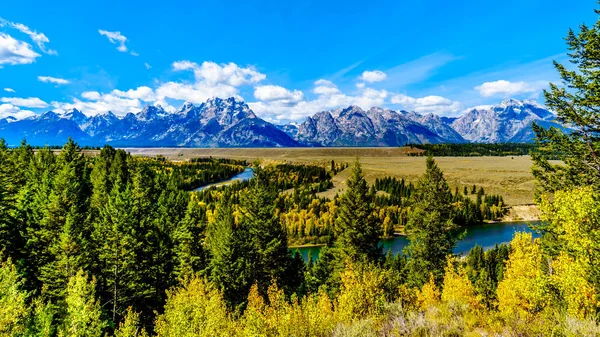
507,176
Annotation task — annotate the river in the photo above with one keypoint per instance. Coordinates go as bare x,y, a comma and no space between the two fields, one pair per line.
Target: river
247,174
486,235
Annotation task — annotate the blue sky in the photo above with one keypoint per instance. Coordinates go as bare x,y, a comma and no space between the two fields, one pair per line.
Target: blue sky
287,59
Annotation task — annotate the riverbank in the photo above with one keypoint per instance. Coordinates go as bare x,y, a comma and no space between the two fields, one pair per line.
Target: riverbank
529,212
485,235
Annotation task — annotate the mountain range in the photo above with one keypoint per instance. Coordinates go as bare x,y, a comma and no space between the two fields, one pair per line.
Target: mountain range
231,123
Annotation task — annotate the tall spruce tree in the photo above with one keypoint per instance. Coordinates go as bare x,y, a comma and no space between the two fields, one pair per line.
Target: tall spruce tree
230,248
65,221
272,259
430,229
10,234
116,240
189,241
577,105
357,229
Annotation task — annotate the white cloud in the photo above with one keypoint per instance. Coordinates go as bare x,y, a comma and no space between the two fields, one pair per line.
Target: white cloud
373,76
195,93
429,104
211,80
40,39
91,95
213,73
329,97
9,110
326,91
118,101
277,93
507,88
15,52
115,38
147,65
9,90
50,79
143,93
360,85
30,102
325,83
97,103
325,88
134,53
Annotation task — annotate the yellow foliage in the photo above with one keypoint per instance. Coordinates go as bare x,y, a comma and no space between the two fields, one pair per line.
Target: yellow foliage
576,216
579,294
429,296
313,316
523,291
13,309
458,288
362,292
194,310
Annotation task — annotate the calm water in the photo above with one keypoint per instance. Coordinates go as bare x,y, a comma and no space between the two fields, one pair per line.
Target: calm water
486,236
246,175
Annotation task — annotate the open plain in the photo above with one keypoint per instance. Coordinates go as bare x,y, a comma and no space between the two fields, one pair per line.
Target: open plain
508,176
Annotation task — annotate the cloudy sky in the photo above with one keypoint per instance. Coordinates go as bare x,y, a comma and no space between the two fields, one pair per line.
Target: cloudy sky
287,59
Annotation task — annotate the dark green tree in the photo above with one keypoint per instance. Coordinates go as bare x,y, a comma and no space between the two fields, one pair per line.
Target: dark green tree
65,222
431,231
272,261
229,246
357,229
189,241
577,106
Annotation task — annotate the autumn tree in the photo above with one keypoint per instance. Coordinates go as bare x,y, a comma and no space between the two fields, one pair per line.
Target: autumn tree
83,313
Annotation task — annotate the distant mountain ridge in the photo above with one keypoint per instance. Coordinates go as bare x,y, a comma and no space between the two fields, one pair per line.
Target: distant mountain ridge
231,123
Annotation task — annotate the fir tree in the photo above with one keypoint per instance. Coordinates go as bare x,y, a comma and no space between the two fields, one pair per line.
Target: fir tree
229,245
576,104
272,261
189,241
357,229
430,229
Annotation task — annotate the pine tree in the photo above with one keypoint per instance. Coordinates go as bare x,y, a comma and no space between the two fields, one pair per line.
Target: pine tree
116,240
189,241
32,207
65,222
357,229
10,233
430,229
230,246
576,104
272,260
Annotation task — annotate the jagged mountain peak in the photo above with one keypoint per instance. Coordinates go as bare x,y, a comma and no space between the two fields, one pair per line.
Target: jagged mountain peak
151,112
74,115
502,122
231,122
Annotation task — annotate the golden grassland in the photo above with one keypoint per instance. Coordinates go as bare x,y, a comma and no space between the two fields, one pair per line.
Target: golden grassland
508,176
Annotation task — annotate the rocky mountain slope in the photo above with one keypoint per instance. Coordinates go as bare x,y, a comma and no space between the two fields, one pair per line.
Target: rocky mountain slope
231,123
215,123
508,122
